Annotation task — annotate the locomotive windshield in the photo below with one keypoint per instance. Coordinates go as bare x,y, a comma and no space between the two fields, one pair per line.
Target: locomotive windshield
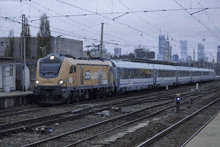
49,70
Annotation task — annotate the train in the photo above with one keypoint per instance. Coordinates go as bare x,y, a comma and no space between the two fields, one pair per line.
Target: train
62,79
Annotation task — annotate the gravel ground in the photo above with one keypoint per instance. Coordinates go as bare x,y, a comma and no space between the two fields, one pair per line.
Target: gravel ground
175,138
154,125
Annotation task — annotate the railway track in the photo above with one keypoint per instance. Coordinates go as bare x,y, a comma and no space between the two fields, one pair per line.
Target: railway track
191,137
163,133
68,115
10,128
128,101
129,119
37,108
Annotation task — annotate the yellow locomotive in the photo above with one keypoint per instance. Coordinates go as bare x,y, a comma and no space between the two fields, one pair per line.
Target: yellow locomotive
60,78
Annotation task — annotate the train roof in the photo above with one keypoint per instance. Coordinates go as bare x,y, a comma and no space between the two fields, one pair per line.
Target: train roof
90,62
71,60
201,69
127,64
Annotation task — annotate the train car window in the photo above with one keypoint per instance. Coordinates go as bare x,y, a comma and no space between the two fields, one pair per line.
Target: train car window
71,69
126,73
74,68
184,73
148,73
196,73
205,73
166,73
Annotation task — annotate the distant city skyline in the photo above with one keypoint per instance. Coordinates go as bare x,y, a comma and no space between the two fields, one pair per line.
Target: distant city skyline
143,21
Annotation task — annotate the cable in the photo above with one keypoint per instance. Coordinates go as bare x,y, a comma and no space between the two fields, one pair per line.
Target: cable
208,16
140,16
107,18
111,13
77,22
197,20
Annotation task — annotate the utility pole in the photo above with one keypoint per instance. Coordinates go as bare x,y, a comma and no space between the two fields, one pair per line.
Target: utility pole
23,34
193,57
101,40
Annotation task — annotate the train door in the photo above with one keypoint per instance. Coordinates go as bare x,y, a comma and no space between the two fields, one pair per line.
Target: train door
81,76
109,75
72,76
154,77
177,76
99,76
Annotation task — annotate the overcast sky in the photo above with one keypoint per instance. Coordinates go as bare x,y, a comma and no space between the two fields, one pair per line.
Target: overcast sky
128,23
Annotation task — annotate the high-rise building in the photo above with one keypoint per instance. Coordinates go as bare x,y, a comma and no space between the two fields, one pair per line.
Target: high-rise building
117,51
218,54
175,58
201,54
183,46
165,50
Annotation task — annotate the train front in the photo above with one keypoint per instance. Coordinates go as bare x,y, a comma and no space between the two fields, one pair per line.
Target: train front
49,83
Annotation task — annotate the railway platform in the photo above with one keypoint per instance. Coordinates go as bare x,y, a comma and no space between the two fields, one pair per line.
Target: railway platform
15,98
208,136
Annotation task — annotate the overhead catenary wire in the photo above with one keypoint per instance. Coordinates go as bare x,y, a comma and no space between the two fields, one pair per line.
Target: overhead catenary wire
143,32
79,23
112,13
91,14
197,20
208,16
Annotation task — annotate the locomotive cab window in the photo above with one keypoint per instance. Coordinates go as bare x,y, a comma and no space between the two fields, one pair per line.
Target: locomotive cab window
49,70
71,69
74,69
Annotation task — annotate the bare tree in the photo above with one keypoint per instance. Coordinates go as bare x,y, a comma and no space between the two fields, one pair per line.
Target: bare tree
9,51
43,37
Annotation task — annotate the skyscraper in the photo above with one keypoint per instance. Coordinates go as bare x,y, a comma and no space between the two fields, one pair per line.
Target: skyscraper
183,46
165,50
117,51
201,54
218,54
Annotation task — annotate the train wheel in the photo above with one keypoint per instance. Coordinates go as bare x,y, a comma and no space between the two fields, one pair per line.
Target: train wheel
67,100
76,99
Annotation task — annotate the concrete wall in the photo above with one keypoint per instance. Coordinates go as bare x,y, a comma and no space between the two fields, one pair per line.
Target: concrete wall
58,45
68,46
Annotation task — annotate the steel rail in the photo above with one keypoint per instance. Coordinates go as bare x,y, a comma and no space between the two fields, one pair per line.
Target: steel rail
33,120
199,129
22,112
171,128
94,125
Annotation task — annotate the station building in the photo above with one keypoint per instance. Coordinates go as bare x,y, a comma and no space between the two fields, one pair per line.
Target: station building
7,74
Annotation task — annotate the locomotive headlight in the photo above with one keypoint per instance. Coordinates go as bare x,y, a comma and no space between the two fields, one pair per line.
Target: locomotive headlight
61,82
37,82
51,57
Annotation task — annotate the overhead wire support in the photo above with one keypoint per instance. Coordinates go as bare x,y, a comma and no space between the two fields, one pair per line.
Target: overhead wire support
199,11
107,18
120,15
68,16
197,20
